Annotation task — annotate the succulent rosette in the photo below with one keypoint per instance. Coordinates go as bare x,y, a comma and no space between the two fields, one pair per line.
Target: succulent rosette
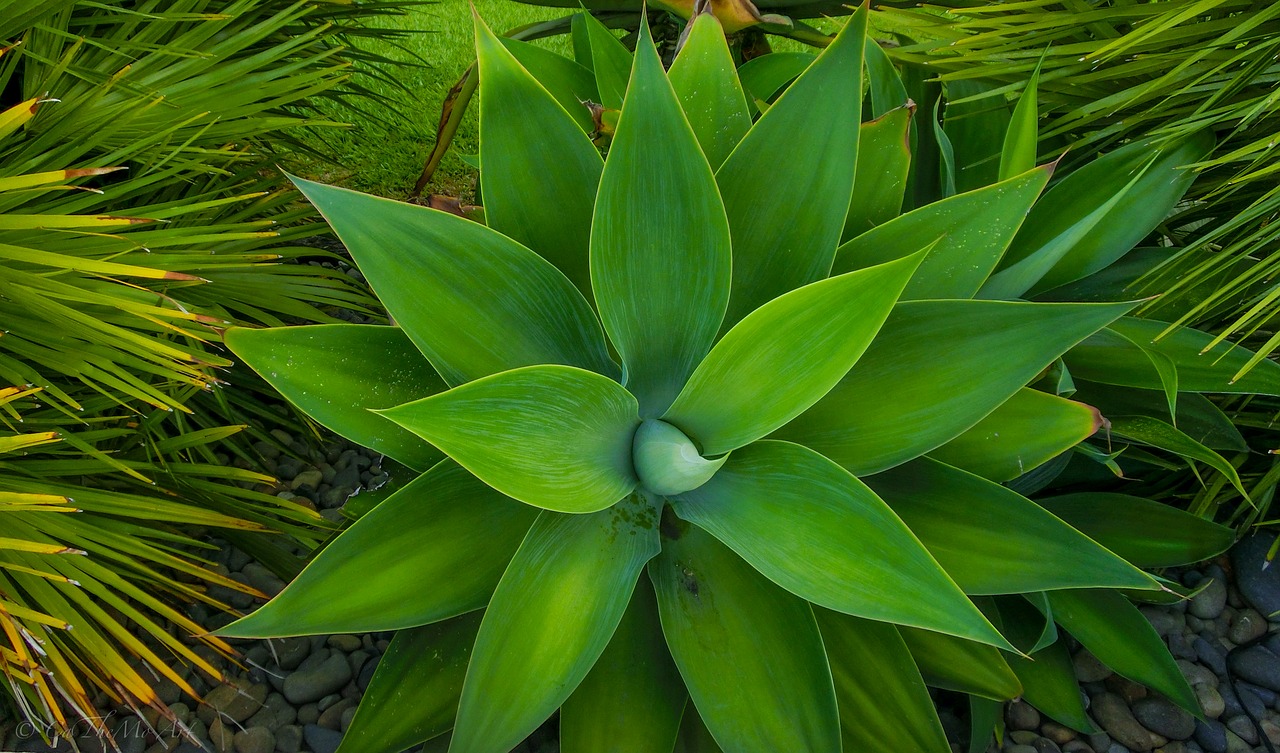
702,462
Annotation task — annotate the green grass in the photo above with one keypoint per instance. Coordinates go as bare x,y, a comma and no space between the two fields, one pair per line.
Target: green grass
384,149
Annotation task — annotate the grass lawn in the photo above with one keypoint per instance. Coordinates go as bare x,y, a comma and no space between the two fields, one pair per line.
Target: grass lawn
383,152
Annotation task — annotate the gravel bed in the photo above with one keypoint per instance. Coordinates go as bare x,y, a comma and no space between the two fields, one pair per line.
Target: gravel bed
298,695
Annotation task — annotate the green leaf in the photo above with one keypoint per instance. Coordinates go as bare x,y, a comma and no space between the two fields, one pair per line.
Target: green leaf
707,85
661,278
1020,141
880,180
964,666
694,735
1095,215
887,90
1197,415
930,375
1121,637
1156,433
820,533
985,717
632,699
551,617
786,224
516,115
1112,356
884,705
993,540
1147,533
1026,430
611,62
748,651
413,696
309,365
975,122
784,356
550,436
445,528
946,151
570,83
975,228
765,76
495,305
1048,678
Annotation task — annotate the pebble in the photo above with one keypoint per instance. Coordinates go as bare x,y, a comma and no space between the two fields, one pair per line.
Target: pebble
255,740
312,684
331,718
1114,716
1164,718
1244,727
345,643
1259,585
1210,602
1211,735
321,740
1256,664
1022,716
222,737
1058,733
237,700
1088,668
289,739
1211,655
1210,700
1248,626
291,652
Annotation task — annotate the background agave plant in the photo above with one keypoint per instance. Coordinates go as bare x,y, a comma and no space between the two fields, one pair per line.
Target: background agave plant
135,220
793,504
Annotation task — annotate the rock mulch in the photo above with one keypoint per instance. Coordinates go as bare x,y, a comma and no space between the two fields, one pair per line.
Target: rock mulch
1226,647
298,695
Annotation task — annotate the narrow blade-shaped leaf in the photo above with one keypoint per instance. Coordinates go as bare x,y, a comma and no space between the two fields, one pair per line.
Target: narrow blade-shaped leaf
308,365
880,180
707,85
694,735
661,279
786,223
445,528
748,651
930,375
1144,532
1196,415
1159,434
974,229
887,89
632,699
530,146
551,617
784,356
884,705
765,76
1121,637
1113,356
952,663
413,696
494,305
610,61
820,533
956,514
550,436
570,83
1048,678
1021,140
1096,214
1026,430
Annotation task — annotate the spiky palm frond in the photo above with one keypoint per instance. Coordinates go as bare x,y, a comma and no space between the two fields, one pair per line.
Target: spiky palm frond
1111,70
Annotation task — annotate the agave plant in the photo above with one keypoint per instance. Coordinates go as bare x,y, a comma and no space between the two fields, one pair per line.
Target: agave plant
694,469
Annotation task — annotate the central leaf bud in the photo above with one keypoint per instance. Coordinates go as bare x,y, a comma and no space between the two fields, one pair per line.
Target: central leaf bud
668,462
